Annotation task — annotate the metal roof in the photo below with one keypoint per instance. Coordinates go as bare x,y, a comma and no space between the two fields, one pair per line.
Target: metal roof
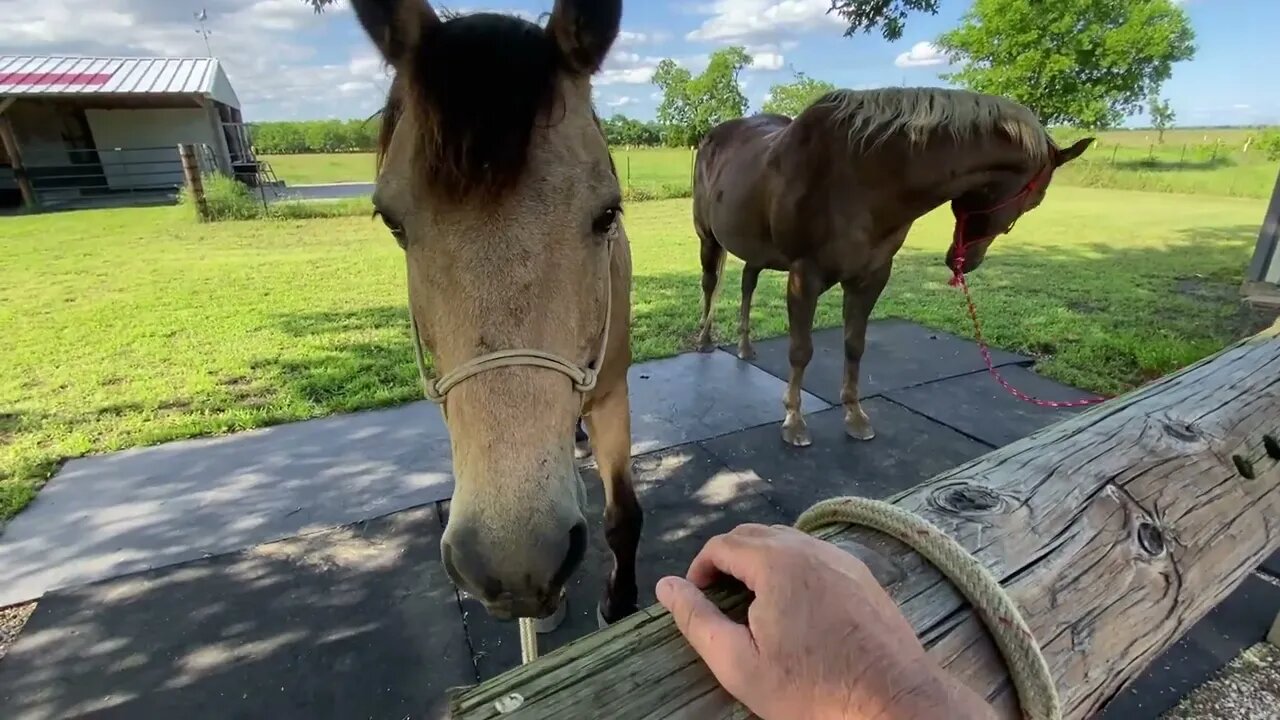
28,75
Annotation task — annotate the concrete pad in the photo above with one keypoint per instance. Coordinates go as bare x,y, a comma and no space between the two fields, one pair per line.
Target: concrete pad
899,354
979,407
687,496
907,450
323,191
110,515
1239,622
145,508
697,396
359,622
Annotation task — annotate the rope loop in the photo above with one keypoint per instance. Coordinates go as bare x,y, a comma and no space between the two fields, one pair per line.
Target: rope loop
1027,665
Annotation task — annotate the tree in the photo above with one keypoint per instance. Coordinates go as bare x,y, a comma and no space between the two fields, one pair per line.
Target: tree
1079,62
692,105
792,98
889,15
1162,116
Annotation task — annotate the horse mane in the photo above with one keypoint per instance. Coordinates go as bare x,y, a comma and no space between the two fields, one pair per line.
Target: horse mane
870,117
477,89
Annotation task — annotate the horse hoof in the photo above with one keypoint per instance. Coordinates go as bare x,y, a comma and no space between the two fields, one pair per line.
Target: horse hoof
550,624
582,450
860,431
705,345
746,352
601,623
797,436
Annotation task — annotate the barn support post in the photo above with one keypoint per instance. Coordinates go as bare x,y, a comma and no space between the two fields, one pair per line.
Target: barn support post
11,148
1262,281
191,175
1113,531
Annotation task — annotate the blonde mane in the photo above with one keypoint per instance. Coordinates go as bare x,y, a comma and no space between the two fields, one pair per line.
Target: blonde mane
872,116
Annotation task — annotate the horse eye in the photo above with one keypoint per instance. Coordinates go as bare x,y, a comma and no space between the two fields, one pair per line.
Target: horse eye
606,220
397,230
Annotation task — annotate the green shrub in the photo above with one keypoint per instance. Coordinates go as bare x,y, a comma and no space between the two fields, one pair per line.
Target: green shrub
1269,143
227,198
230,199
666,191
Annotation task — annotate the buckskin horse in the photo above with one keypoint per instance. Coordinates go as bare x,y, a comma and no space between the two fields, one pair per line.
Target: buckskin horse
495,178
830,196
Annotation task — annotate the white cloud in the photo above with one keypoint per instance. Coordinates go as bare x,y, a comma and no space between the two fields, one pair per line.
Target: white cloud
922,54
767,61
628,38
1241,106
623,101
764,20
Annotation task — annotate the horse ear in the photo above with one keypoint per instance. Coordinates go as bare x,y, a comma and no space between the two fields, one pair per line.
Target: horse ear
584,30
396,26
1062,157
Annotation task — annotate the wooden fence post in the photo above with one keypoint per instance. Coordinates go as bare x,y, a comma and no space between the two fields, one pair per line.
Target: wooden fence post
191,174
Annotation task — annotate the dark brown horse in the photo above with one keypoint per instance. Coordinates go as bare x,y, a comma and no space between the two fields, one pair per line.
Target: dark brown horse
495,178
829,198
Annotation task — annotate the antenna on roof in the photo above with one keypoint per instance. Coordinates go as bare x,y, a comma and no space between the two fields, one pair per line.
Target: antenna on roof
202,17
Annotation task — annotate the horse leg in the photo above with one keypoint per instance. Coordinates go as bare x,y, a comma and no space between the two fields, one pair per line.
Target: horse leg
803,290
581,443
750,276
860,298
609,426
712,267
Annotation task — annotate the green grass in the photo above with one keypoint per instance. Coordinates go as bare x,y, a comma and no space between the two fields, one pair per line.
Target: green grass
132,327
1116,162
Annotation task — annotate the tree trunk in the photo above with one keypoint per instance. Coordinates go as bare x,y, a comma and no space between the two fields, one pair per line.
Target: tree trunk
1114,531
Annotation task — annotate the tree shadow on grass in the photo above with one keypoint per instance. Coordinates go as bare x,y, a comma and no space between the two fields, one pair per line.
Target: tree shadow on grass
1164,164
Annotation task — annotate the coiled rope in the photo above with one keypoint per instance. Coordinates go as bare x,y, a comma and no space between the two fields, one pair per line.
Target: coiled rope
1037,692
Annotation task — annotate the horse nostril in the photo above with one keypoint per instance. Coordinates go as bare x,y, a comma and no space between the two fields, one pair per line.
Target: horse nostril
487,587
577,551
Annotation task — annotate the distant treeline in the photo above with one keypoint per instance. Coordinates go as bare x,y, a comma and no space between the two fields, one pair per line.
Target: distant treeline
315,136
331,136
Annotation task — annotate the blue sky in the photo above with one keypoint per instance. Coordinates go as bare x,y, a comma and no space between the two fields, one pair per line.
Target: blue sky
287,63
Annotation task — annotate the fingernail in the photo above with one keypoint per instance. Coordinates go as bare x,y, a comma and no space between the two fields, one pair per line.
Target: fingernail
666,586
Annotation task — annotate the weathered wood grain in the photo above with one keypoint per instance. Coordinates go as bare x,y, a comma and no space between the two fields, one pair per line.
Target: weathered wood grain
1114,531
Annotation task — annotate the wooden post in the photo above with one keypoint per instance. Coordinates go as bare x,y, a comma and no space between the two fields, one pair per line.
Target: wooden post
191,174
1114,532
11,148
1265,266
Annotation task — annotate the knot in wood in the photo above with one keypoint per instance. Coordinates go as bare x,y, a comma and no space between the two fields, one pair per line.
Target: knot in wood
966,499
1181,430
1150,539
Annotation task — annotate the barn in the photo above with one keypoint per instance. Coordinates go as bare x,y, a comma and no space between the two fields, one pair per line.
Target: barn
101,130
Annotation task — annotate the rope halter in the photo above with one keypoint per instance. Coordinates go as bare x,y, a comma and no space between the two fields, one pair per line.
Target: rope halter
583,377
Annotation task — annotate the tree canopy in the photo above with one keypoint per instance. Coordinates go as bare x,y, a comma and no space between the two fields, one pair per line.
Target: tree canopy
693,104
792,98
1079,62
888,15
1162,115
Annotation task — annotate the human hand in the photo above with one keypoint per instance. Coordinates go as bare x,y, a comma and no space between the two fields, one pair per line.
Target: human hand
823,640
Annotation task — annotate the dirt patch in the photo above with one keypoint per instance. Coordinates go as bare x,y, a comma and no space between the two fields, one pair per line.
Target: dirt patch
12,620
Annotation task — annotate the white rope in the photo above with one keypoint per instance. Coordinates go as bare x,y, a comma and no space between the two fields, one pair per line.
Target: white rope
1027,666
528,641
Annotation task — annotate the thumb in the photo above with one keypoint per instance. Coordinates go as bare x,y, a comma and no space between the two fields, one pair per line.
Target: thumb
724,645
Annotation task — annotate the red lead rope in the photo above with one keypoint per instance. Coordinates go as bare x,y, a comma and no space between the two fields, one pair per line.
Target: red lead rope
958,280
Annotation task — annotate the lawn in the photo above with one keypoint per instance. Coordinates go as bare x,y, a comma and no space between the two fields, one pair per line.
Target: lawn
137,326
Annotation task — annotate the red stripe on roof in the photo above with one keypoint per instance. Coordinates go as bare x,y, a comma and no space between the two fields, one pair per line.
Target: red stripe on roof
54,78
